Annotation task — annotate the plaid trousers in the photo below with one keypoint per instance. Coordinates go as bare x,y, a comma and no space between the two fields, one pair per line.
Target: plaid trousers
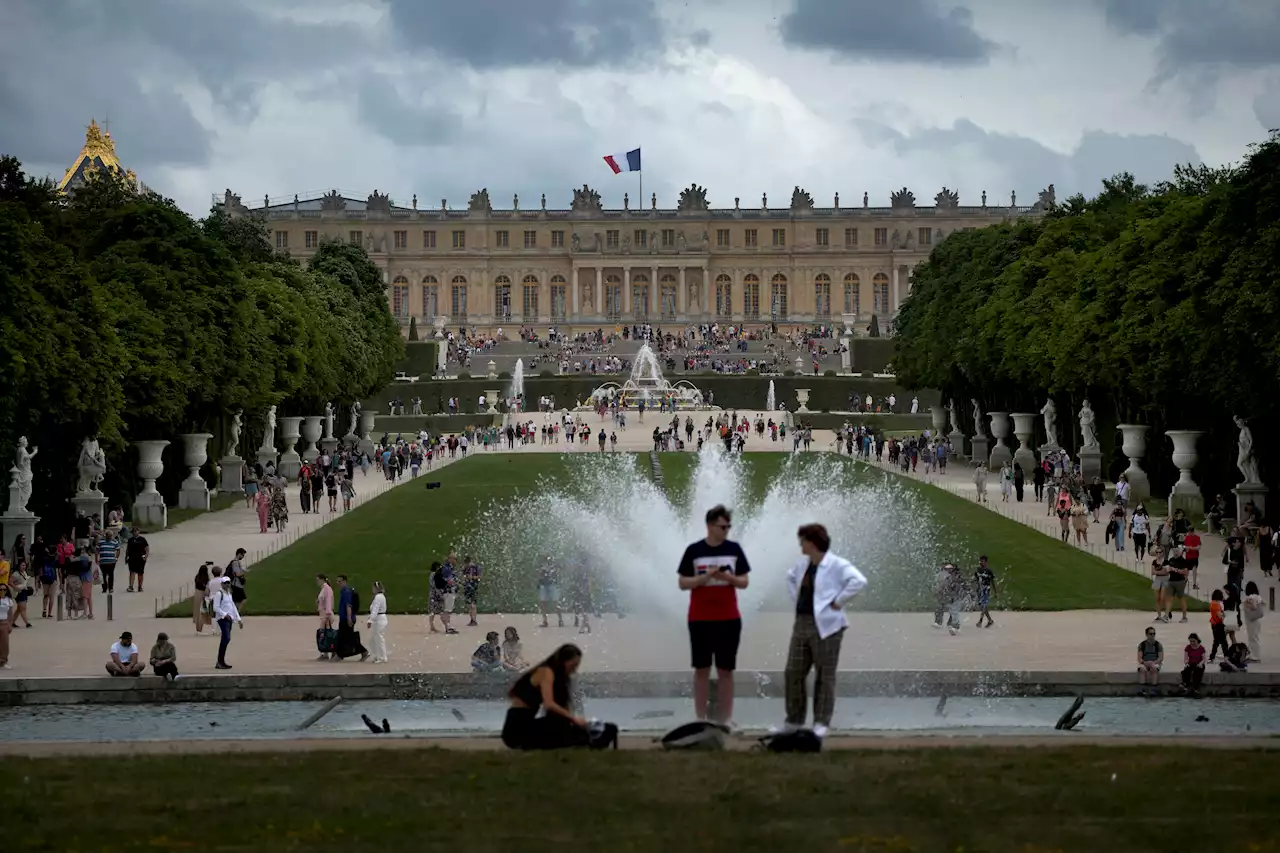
808,651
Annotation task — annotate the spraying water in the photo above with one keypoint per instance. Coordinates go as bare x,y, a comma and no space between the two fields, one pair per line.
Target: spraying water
770,402
517,380
612,517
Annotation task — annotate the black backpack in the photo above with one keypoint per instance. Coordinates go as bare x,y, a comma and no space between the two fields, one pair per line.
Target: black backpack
800,740
702,735
602,736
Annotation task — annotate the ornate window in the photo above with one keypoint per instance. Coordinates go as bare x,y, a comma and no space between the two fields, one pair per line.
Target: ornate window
559,298
612,297
640,296
724,296
400,297
502,298
822,296
458,298
880,294
751,296
430,297
530,302
852,294
668,295
778,297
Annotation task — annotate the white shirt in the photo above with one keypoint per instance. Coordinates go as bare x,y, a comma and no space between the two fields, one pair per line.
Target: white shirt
223,605
377,607
835,582
126,653
7,606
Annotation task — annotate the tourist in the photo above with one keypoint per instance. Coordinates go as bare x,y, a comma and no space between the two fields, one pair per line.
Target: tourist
250,486
124,658
108,554
547,686
1139,529
436,586
1191,553
820,584
1160,587
1215,514
713,570
580,596
331,489
324,610
1116,529
1233,557
488,656
1192,666
200,599
8,607
348,492
1019,481
86,574
1217,624
1096,492
979,480
984,579
949,586
348,642
1006,482
549,591
447,580
224,613
136,553
377,623
164,658
264,507
279,509
1254,610
20,583
471,572
236,575
1150,659
1176,564
513,650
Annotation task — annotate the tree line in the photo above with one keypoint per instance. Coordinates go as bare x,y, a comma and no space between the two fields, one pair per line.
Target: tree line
1159,304
123,318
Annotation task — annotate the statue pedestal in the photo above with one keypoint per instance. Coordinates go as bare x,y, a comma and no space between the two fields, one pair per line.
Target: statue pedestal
368,419
290,462
1000,452
265,455
24,524
149,508
1134,446
981,449
1185,494
329,445
87,504
1244,493
232,475
846,354
1090,462
957,443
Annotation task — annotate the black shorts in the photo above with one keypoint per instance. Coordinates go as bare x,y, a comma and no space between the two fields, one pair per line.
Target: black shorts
715,643
1193,563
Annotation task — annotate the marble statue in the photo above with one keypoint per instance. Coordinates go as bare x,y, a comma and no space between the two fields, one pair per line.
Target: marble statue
951,408
695,295
328,420
1245,460
1050,412
355,418
589,296
680,242
599,242
576,242
269,430
1088,431
706,241
977,416
22,462
233,439
91,465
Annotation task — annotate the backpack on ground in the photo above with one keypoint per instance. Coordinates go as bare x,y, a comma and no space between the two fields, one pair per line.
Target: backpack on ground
702,735
602,736
800,740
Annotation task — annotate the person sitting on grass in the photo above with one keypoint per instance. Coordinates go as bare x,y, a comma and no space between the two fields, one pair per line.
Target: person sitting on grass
1150,659
1236,658
548,687
164,658
124,658
488,657
1192,666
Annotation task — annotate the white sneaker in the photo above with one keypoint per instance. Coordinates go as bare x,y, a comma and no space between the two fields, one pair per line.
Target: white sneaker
936,624
820,731
784,729
954,630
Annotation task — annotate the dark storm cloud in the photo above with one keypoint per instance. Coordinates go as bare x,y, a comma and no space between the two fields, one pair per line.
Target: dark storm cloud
1199,34
1030,165
381,107
488,34
902,31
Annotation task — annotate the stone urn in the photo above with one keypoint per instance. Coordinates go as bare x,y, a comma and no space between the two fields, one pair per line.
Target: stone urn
290,462
148,506
1186,494
1024,429
440,321
1134,447
368,419
939,416
311,429
1000,454
493,369
802,399
848,320
491,397
799,364
195,452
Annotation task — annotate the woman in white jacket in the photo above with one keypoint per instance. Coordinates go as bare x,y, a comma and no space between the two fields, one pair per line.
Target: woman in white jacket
820,584
377,624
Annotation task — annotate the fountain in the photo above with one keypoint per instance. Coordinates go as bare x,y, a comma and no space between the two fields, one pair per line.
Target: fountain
770,402
647,384
517,381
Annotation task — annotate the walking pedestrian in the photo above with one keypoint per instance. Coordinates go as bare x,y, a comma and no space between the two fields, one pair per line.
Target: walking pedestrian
224,613
377,623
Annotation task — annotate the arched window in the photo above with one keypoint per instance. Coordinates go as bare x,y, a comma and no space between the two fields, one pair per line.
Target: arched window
640,289
822,296
502,298
778,297
751,296
724,296
880,294
612,297
559,298
400,297
430,297
667,295
852,294
458,298
530,301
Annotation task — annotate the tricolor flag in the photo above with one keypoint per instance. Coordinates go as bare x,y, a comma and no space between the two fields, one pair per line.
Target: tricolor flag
629,162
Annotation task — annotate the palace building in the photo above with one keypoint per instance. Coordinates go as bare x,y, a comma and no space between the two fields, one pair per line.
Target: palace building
586,266
97,155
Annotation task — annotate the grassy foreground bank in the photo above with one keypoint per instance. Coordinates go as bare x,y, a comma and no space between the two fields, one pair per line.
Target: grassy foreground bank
987,799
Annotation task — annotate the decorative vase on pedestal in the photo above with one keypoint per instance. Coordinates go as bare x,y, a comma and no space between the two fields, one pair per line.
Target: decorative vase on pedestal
1185,494
195,491
368,418
311,428
148,506
440,323
290,462
802,398
848,321
939,416
1000,454
491,397
1134,447
493,369
1024,429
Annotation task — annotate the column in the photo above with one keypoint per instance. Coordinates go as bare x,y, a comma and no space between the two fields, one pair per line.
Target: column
575,294
893,293
655,295
682,299
626,294
707,295
599,286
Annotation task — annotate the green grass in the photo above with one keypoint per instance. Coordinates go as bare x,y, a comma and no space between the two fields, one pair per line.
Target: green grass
972,799
395,537
217,501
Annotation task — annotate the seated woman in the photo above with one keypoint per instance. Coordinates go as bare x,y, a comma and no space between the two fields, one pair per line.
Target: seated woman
546,686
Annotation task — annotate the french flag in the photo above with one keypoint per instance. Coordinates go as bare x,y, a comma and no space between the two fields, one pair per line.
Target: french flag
629,162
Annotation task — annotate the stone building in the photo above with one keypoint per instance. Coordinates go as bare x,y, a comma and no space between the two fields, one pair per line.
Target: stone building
98,154
586,266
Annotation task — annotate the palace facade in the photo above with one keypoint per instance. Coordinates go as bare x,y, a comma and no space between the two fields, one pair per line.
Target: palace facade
586,266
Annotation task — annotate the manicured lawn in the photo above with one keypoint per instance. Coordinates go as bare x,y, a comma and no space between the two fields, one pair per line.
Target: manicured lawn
217,502
987,799
396,537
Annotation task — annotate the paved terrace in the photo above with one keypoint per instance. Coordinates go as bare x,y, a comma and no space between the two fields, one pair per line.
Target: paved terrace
1068,641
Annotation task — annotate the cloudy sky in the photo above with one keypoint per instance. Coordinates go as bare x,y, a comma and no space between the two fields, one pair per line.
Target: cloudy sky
442,97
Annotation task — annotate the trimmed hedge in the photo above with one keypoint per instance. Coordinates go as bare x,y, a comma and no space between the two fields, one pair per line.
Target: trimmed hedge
434,424
419,360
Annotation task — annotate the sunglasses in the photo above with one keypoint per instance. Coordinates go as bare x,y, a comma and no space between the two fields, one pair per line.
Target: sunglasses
724,526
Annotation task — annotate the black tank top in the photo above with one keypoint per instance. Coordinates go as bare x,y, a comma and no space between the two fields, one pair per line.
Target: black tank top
525,690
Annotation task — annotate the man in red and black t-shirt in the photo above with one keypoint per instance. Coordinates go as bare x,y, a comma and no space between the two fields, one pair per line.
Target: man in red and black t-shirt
1192,555
713,570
